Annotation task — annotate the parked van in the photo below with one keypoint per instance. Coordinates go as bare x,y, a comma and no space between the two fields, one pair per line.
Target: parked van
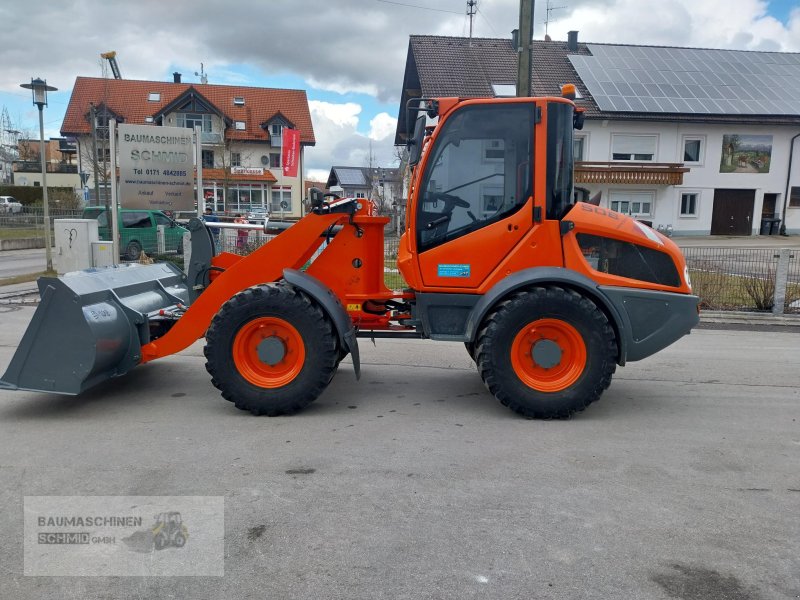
138,230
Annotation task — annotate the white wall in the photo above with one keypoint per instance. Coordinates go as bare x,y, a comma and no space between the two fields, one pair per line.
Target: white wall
703,178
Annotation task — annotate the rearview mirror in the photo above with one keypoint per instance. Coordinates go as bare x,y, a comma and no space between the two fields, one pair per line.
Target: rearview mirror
415,143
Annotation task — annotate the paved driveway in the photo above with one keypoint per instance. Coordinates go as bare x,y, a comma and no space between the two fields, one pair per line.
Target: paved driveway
682,482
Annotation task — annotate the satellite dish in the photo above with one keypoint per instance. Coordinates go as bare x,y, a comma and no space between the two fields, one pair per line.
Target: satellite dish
264,159
284,205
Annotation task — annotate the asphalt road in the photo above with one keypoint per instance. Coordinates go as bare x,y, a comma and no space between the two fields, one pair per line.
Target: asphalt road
681,482
21,262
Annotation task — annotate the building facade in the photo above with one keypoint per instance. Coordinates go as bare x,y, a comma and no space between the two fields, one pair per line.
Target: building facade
241,130
692,141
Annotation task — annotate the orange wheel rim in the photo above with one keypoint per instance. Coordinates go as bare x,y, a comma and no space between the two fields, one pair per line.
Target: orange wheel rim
548,355
269,352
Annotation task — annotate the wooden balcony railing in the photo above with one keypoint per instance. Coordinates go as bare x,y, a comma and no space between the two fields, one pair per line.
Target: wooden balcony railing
630,173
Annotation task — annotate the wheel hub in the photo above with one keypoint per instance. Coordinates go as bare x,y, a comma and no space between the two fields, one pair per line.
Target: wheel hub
546,353
271,350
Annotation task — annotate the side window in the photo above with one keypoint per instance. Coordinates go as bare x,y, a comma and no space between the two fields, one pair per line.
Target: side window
136,219
479,171
162,219
102,219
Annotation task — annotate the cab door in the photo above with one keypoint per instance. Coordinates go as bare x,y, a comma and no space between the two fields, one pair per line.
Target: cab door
474,204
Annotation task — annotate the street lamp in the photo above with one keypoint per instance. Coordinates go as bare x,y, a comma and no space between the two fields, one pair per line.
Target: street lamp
39,89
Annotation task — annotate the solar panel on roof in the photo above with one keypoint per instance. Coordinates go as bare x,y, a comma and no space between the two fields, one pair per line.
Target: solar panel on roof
350,177
690,80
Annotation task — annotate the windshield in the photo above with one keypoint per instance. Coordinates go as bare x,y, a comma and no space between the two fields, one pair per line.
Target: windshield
559,159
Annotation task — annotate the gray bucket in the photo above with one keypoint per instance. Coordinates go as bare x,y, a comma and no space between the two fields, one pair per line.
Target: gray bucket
90,326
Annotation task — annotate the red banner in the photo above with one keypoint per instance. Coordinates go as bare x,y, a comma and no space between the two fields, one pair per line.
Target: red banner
290,154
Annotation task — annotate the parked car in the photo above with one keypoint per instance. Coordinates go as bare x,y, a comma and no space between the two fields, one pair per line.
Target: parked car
138,230
257,216
9,205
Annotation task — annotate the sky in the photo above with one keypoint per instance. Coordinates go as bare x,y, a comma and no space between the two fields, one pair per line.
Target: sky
349,55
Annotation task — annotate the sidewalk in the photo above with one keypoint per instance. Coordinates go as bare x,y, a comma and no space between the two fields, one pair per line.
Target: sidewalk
728,241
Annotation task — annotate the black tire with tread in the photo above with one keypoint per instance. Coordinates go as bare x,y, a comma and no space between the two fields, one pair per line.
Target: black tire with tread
498,330
298,309
133,250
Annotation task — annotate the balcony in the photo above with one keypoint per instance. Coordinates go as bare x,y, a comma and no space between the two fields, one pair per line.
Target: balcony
629,173
210,138
30,166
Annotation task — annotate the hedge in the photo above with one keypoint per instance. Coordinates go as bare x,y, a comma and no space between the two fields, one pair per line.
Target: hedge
31,195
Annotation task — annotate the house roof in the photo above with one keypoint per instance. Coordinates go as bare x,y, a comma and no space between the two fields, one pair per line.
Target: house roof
354,177
439,66
129,99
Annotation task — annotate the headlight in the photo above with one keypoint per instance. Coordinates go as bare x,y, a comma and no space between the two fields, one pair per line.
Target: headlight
687,278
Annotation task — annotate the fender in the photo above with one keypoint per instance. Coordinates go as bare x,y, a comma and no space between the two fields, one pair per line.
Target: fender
554,275
332,306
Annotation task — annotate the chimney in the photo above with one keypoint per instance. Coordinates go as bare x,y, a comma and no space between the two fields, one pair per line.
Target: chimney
515,39
176,77
572,41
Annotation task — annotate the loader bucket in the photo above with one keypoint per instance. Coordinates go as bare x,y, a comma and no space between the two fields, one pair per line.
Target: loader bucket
90,326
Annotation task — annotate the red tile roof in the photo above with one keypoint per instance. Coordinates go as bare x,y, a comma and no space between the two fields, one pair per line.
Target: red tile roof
129,99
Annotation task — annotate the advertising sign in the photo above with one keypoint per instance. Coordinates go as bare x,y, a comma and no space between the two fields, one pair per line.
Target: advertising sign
291,151
155,167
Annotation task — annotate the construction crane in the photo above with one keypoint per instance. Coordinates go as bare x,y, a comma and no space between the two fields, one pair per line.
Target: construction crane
111,57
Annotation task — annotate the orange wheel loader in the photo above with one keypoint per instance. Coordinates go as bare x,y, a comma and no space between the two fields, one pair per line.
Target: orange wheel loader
548,295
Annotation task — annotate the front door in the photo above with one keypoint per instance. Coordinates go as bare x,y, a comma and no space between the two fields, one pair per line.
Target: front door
474,200
733,212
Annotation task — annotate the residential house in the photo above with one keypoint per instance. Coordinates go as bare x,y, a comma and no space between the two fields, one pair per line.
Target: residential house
384,186
241,131
694,140
60,162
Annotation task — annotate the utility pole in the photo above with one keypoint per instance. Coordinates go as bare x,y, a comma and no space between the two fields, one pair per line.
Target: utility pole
525,48
93,117
471,14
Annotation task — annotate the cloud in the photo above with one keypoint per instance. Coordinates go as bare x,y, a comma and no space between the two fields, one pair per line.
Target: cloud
339,141
382,126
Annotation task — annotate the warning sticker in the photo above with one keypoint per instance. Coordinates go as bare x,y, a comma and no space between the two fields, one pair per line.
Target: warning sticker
454,271
353,307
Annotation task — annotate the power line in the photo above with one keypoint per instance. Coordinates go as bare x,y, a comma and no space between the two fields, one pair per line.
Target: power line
452,12
480,12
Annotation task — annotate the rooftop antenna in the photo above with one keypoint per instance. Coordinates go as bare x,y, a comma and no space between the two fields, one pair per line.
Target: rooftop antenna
202,74
471,14
549,10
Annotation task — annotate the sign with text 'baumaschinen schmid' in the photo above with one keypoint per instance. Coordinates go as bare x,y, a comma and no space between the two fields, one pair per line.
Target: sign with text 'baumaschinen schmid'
156,170
290,154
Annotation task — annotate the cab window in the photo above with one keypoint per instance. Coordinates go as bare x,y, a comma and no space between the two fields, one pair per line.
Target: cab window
162,219
479,171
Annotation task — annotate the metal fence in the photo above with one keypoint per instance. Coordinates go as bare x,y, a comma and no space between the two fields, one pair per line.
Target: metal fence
751,279
727,279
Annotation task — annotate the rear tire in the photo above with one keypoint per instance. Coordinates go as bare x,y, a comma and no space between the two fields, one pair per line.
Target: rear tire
133,251
271,350
546,353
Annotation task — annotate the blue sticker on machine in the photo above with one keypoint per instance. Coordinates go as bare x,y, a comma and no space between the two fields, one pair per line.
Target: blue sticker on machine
454,270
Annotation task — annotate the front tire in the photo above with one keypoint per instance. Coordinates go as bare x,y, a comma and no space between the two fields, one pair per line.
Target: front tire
546,352
133,251
271,350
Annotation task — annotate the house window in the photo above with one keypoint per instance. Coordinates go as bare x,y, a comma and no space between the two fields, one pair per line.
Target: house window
240,125
689,202
148,119
236,159
275,134
633,147
274,160
493,151
191,119
360,195
578,145
692,150
281,200
635,204
504,90
154,97
104,154
794,197
275,129
238,101
208,159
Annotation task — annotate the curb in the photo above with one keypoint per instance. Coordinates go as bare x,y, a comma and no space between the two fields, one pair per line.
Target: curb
748,318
